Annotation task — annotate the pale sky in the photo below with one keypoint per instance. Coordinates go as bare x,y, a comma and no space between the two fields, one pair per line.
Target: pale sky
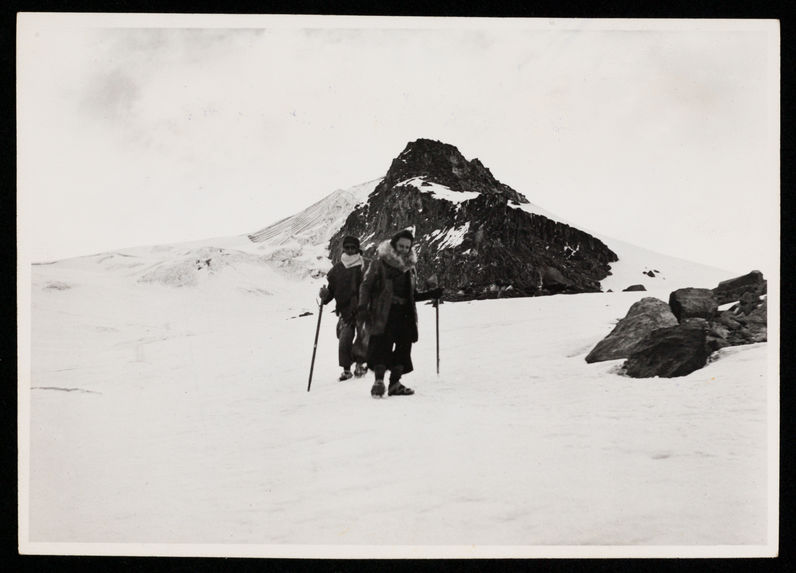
143,130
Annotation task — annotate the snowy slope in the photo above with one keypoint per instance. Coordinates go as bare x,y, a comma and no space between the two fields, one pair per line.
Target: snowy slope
182,416
273,259
635,262
670,273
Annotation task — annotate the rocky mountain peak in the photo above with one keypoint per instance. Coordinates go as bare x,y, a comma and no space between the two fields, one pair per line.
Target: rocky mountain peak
479,236
441,163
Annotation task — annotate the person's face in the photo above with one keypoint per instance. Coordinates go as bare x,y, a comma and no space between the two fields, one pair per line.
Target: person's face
403,245
350,249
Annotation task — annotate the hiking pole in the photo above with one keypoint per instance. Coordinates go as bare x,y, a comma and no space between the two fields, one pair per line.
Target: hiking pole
436,306
431,282
315,345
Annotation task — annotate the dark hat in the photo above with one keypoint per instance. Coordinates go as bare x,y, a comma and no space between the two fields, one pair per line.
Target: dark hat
349,240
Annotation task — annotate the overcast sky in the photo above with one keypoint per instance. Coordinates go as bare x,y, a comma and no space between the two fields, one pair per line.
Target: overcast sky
147,130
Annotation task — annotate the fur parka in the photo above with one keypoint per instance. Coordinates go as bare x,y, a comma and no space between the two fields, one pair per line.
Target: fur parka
375,294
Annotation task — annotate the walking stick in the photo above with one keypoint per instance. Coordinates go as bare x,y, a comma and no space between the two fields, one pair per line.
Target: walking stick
315,345
436,305
431,282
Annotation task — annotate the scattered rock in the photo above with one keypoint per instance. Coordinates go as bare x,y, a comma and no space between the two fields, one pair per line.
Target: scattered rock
738,328
693,303
634,288
57,285
644,316
699,329
733,289
671,352
748,303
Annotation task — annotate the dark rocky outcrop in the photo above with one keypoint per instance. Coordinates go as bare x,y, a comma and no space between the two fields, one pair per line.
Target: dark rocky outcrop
743,324
671,352
484,246
635,288
702,329
733,289
444,164
644,316
693,303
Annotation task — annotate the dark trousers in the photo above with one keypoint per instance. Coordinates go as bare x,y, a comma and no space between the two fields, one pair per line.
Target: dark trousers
392,350
348,351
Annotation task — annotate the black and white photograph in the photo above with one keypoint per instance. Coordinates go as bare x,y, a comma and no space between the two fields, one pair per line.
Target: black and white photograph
397,287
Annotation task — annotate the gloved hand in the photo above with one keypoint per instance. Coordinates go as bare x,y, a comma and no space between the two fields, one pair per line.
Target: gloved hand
323,293
434,293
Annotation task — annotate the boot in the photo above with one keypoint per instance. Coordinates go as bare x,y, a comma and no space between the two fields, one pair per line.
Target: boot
396,388
346,375
377,391
360,370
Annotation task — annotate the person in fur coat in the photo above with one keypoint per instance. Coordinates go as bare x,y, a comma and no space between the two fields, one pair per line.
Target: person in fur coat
344,279
387,304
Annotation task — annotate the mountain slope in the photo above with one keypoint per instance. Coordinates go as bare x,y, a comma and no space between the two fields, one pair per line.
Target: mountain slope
269,260
315,224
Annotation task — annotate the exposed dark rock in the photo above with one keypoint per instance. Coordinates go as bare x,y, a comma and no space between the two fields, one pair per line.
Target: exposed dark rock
634,288
737,327
554,281
748,303
702,329
733,289
481,246
644,316
444,164
757,323
671,352
693,303
694,322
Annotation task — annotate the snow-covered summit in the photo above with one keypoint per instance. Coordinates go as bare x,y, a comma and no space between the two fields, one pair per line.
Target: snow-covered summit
315,224
266,261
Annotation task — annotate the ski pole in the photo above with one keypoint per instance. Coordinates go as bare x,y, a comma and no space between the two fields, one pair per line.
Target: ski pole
315,345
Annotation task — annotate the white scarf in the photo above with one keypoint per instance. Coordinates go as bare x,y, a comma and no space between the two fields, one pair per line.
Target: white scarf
351,260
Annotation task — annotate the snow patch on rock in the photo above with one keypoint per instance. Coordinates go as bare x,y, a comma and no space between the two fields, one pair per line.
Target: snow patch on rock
438,191
453,237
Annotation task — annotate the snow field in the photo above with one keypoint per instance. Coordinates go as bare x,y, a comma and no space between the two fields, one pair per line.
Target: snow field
188,421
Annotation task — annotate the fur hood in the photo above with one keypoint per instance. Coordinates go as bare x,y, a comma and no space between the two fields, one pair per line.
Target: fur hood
386,253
